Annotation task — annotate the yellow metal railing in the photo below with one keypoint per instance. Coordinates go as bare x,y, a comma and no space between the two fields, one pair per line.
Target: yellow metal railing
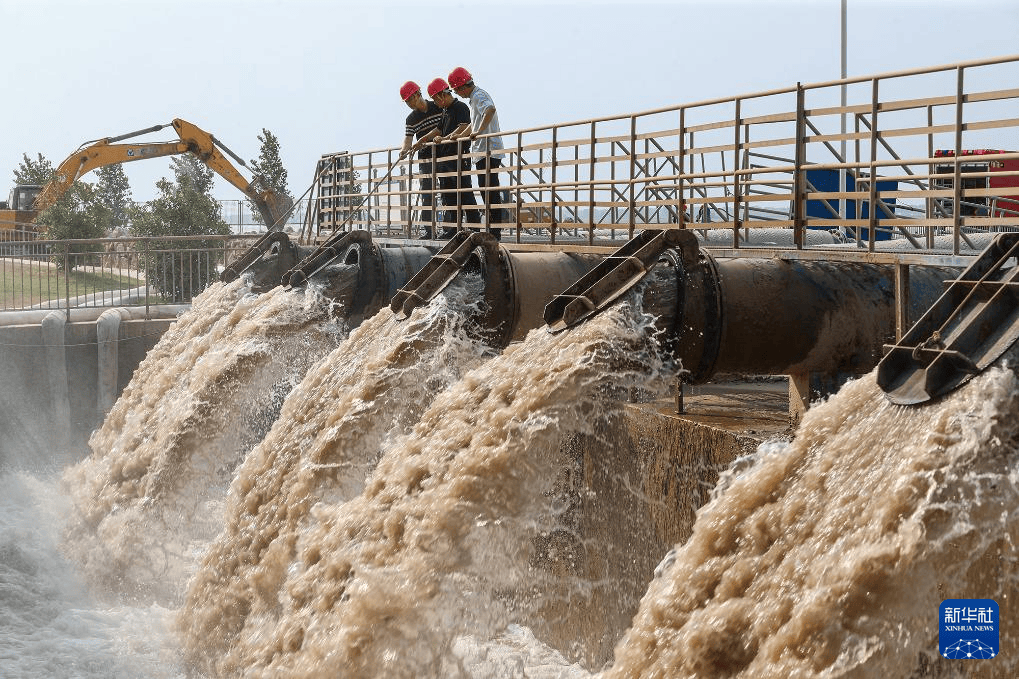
928,158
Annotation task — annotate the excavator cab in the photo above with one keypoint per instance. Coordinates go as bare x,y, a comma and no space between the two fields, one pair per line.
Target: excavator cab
23,196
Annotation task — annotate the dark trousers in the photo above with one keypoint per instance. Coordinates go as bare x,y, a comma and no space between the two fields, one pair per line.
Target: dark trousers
427,195
452,200
489,178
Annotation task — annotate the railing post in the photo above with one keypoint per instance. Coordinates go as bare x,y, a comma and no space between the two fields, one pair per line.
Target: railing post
929,203
435,185
736,221
858,204
798,179
389,194
520,178
410,194
552,188
693,168
67,282
459,186
872,194
373,214
488,181
957,181
681,203
633,174
591,173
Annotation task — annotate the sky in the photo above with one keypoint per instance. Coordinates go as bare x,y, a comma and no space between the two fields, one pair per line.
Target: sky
324,76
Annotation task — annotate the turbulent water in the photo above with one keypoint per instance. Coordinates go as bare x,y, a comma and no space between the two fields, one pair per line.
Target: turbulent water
50,625
402,515
151,492
829,556
312,567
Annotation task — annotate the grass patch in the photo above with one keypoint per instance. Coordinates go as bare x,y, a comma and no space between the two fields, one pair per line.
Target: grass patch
25,283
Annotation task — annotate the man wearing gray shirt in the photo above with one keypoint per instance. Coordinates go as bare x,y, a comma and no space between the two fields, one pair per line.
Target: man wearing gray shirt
484,121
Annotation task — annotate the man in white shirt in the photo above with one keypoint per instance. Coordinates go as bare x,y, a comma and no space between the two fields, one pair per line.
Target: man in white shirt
484,121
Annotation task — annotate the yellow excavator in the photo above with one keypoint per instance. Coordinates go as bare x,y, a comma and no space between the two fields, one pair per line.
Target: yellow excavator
27,201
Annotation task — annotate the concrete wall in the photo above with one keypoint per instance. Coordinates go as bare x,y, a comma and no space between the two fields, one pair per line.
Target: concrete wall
40,425
633,492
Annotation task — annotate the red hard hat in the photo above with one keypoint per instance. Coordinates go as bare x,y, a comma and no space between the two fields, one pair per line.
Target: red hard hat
408,89
459,76
437,86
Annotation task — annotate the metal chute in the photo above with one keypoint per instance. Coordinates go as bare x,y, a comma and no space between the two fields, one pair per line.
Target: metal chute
968,328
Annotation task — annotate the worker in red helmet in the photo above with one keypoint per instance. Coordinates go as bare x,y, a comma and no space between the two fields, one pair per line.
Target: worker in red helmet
422,125
486,144
452,159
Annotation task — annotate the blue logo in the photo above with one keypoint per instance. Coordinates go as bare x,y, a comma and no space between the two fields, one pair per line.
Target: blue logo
969,629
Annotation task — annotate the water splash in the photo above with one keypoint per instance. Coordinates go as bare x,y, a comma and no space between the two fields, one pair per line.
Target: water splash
829,555
328,439
399,520
50,625
149,496
387,581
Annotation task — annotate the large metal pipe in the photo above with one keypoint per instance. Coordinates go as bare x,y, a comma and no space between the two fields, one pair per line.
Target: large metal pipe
518,285
56,373
86,314
354,271
108,353
381,272
772,316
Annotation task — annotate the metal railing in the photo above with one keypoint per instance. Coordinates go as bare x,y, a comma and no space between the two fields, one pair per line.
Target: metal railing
238,215
928,157
109,272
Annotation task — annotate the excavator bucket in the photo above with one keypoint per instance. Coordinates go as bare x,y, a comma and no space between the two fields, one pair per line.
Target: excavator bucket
972,324
616,274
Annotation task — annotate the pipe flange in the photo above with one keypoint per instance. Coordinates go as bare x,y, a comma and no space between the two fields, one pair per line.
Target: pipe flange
365,253
714,311
500,314
693,336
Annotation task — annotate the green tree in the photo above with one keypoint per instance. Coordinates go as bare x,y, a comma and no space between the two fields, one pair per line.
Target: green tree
269,167
112,202
72,216
30,171
179,270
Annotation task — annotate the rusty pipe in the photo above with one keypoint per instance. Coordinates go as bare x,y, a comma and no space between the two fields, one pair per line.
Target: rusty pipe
518,285
362,276
779,317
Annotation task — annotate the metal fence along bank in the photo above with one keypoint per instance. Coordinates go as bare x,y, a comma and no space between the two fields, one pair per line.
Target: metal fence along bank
112,272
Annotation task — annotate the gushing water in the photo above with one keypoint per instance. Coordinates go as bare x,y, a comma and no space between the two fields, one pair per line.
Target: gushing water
327,440
51,625
402,516
438,544
151,492
830,555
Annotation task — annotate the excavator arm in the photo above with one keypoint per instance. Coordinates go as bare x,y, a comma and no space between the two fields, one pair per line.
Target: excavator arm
192,139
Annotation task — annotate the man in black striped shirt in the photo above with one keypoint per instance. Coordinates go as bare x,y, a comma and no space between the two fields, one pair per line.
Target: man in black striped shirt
424,118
